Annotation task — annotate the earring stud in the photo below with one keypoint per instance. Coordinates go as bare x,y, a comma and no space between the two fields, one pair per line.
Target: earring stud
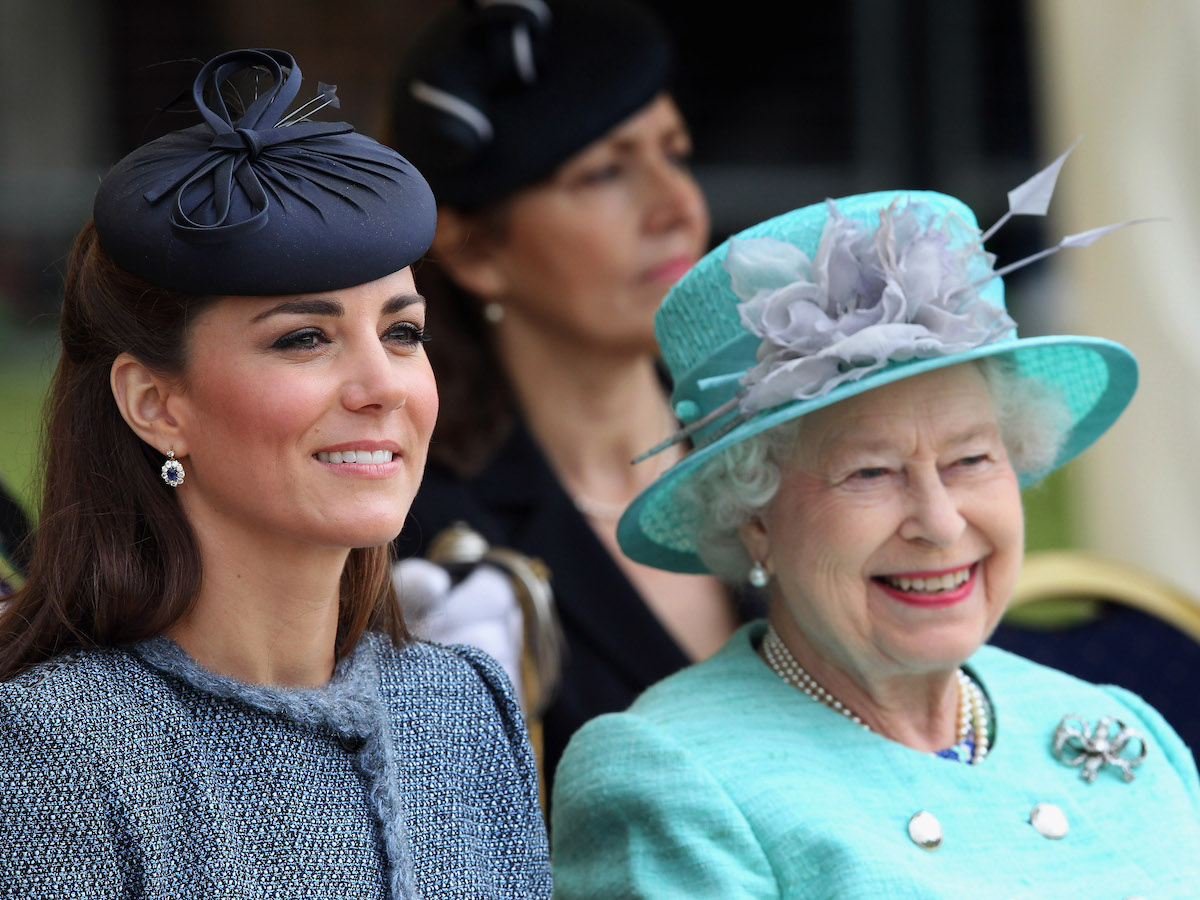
172,470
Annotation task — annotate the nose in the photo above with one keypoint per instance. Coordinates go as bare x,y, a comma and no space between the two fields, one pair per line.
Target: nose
674,197
373,380
933,515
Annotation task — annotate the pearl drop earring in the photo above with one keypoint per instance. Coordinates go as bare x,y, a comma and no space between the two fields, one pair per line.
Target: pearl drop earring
758,575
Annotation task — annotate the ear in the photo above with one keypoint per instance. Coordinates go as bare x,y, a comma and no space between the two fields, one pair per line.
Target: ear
756,540
469,255
143,398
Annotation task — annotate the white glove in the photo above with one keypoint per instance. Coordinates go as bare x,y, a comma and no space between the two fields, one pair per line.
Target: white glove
481,610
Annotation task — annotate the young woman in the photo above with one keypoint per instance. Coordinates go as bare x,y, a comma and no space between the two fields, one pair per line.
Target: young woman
208,688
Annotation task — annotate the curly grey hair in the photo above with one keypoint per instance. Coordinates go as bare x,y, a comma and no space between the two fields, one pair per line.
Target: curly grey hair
740,482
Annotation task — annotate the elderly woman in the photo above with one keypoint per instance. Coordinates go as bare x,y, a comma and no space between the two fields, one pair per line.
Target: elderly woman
863,417
206,686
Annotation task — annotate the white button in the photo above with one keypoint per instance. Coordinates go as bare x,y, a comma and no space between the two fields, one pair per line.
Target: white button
1049,821
925,830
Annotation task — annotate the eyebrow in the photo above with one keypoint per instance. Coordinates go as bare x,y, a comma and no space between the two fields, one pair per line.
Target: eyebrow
629,143
850,442
319,306
974,432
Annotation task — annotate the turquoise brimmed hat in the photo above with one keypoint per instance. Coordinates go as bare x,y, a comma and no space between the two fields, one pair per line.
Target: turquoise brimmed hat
834,299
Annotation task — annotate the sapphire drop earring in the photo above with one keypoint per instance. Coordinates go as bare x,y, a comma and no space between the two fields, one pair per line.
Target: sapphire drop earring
172,470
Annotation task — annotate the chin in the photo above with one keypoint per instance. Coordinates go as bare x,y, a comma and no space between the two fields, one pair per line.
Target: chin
379,536
934,649
362,532
644,344
946,654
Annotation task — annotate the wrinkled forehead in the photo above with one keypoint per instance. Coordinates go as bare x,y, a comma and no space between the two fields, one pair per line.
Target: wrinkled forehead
931,412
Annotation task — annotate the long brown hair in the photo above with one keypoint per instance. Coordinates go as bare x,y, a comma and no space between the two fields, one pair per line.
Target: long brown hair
115,560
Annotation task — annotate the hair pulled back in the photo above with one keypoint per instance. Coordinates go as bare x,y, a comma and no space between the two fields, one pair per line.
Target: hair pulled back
478,405
115,560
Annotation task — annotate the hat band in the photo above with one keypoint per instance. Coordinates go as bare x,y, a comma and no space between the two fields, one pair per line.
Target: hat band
708,393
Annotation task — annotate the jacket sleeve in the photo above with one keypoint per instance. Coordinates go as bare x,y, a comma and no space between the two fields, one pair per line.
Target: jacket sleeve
635,815
1163,738
529,852
56,838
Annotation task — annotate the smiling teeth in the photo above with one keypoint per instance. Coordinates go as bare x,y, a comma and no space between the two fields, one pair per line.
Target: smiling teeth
933,585
355,456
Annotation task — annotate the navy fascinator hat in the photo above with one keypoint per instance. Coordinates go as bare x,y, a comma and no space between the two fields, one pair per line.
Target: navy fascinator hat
265,202
495,94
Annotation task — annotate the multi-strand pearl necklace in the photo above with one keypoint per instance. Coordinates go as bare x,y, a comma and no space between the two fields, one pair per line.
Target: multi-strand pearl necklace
972,709
783,664
972,715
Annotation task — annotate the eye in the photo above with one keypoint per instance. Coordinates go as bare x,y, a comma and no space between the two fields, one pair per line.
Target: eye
869,473
971,464
601,174
407,334
680,157
302,339
973,461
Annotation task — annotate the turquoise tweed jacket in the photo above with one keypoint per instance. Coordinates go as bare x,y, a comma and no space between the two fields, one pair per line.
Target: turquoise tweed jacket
135,774
723,781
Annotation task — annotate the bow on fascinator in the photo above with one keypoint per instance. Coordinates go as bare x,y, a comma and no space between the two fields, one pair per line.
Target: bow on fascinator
265,202
245,155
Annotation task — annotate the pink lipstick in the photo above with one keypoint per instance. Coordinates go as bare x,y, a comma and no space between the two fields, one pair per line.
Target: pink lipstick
931,590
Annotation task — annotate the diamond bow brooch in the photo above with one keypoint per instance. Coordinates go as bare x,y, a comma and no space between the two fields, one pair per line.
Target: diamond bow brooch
1077,744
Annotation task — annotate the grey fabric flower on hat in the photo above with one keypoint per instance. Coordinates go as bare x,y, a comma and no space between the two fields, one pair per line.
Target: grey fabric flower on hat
906,290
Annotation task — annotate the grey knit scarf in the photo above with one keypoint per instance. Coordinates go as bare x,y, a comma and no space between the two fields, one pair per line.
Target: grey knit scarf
349,705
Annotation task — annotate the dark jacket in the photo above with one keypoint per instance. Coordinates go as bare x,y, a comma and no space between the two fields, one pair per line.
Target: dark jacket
616,646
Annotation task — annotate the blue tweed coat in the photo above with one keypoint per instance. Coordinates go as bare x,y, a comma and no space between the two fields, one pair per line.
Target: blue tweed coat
135,773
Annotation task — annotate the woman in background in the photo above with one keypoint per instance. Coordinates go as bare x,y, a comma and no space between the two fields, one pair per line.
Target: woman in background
206,685
565,211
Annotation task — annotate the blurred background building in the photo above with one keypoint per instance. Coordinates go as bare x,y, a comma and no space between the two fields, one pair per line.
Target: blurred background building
965,96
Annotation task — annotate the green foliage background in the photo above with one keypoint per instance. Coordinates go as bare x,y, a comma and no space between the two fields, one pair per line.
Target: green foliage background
27,359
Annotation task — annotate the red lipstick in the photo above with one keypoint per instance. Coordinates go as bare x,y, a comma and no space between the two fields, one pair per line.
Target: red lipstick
934,600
